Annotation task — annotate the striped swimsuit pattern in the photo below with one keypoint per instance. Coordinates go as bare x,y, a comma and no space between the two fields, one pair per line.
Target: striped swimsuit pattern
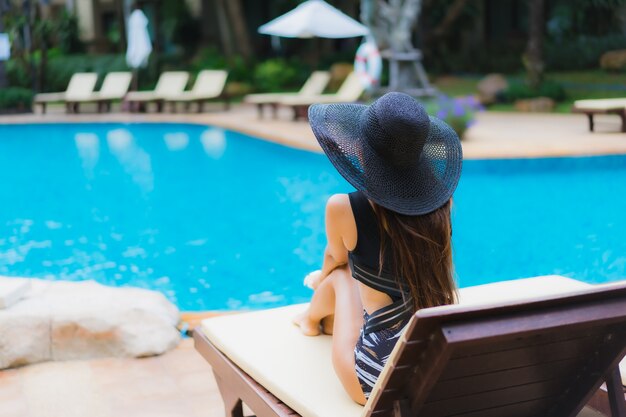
372,352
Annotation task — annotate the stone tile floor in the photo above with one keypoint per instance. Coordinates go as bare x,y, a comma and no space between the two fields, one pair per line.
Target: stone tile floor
178,383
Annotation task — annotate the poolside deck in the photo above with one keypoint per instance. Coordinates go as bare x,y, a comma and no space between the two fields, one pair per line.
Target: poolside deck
178,383
495,135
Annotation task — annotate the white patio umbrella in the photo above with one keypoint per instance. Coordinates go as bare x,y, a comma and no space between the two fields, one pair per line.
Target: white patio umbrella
314,18
139,44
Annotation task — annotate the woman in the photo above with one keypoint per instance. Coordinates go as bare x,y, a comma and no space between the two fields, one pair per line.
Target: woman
389,247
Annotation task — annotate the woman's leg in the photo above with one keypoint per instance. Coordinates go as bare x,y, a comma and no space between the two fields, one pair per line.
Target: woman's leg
338,296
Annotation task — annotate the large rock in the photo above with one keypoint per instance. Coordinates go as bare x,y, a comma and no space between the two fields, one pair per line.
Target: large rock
490,86
613,60
78,320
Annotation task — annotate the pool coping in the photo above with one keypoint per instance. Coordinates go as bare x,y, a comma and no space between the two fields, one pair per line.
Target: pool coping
495,135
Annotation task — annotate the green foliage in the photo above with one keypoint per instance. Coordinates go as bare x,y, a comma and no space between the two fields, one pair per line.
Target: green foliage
211,58
179,28
583,52
60,68
521,90
276,74
67,34
15,98
208,58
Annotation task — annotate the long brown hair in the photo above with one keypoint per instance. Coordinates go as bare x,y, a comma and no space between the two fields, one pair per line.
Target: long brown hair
422,253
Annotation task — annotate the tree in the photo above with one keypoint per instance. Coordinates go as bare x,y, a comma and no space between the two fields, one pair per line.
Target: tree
240,30
533,59
233,30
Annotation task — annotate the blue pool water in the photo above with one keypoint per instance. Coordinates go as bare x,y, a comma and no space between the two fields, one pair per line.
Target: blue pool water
218,220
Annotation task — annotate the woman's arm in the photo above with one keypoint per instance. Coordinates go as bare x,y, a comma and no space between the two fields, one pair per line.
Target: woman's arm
340,233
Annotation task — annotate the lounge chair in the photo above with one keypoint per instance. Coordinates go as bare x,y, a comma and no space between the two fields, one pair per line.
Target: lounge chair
114,87
521,357
314,85
209,85
170,84
350,91
615,106
81,86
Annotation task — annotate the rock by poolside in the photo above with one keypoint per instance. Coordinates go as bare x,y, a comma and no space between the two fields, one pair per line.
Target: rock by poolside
60,320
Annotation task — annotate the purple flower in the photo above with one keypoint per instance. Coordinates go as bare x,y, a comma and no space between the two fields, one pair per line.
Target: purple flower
458,109
442,114
471,100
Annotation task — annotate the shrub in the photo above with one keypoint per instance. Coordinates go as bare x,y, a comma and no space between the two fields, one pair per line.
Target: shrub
60,69
459,113
15,98
583,52
277,74
211,58
521,91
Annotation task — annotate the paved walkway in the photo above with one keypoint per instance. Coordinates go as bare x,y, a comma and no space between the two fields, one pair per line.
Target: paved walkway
177,384
495,135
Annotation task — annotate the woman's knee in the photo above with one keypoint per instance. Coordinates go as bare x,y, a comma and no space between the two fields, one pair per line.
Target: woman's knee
342,276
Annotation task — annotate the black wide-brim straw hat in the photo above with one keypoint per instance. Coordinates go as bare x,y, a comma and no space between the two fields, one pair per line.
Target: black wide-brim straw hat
392,150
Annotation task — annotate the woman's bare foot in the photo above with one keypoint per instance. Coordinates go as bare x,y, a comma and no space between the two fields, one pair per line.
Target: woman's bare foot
307,326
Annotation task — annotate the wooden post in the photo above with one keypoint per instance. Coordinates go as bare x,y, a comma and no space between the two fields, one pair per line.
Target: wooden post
616,394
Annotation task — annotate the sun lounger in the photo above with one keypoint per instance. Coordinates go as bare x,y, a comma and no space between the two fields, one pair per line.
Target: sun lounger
169,85
114,87
526,356
80,87
209,85
350,91
615,106
314,85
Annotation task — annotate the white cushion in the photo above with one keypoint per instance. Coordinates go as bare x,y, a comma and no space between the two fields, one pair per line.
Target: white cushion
519,289
601,104
298,369
295,368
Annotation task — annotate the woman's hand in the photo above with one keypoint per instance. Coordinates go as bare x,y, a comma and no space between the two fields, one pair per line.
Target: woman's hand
313,279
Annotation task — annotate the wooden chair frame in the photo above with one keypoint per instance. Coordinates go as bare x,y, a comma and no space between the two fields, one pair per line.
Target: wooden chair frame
621,112
547,357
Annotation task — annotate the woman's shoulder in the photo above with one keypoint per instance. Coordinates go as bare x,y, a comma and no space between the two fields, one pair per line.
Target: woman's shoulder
339,219
338,203
339,209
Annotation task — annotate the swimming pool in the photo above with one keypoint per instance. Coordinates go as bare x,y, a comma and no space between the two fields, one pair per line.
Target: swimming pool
218,220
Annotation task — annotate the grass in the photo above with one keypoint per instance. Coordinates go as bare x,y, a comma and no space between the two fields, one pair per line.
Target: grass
578,85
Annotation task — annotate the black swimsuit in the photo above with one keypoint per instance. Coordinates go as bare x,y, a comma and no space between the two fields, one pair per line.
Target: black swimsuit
384,326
